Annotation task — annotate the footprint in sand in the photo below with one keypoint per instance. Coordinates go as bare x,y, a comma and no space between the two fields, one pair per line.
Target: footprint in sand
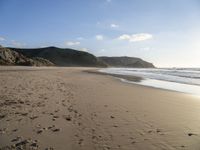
112,117
16,139
55,117
24,114
80,141
56,130
33,117
68,118
23,143
2,116
191,134
39,131
14,130
158,130
133,142
182,146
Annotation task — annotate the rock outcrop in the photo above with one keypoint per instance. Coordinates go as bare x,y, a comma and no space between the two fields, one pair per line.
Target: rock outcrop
11,57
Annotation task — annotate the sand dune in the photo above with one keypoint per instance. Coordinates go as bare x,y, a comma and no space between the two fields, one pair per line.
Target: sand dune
68,108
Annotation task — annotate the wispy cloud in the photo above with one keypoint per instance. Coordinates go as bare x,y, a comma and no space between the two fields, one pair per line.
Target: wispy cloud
114,25
17,44
2,38
84,49
70,43
136,37
108,1
99,37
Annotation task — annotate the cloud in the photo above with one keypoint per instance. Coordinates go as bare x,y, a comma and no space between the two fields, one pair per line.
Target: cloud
124,37
17,44
99,37
2,38
108,1
136,37
70,43
84,49
114,25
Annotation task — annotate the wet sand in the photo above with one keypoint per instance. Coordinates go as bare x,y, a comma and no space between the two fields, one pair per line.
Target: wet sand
69,108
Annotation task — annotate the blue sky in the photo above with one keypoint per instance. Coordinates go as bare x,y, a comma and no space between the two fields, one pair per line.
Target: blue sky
165,32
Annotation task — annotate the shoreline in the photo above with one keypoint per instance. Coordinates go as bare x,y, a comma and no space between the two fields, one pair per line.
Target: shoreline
128,79
70,108
154,83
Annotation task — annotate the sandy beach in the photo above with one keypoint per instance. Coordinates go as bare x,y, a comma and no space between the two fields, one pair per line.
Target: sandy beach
64,108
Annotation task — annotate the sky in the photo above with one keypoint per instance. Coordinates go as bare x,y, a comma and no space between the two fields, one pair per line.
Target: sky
164,32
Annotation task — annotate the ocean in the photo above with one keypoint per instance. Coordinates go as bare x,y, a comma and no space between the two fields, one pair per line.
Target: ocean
186,80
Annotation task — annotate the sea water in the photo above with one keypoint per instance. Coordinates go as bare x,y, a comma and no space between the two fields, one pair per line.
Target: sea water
185,80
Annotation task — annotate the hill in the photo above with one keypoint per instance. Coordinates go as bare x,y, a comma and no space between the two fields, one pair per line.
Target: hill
126,62
49,56
62,57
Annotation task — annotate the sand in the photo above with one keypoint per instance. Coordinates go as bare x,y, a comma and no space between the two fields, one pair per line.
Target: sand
70,109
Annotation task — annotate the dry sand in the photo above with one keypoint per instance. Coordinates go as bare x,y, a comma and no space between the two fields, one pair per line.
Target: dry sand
68,109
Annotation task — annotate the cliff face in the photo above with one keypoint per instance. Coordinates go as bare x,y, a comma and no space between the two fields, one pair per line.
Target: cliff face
10,57
62,57
131,62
